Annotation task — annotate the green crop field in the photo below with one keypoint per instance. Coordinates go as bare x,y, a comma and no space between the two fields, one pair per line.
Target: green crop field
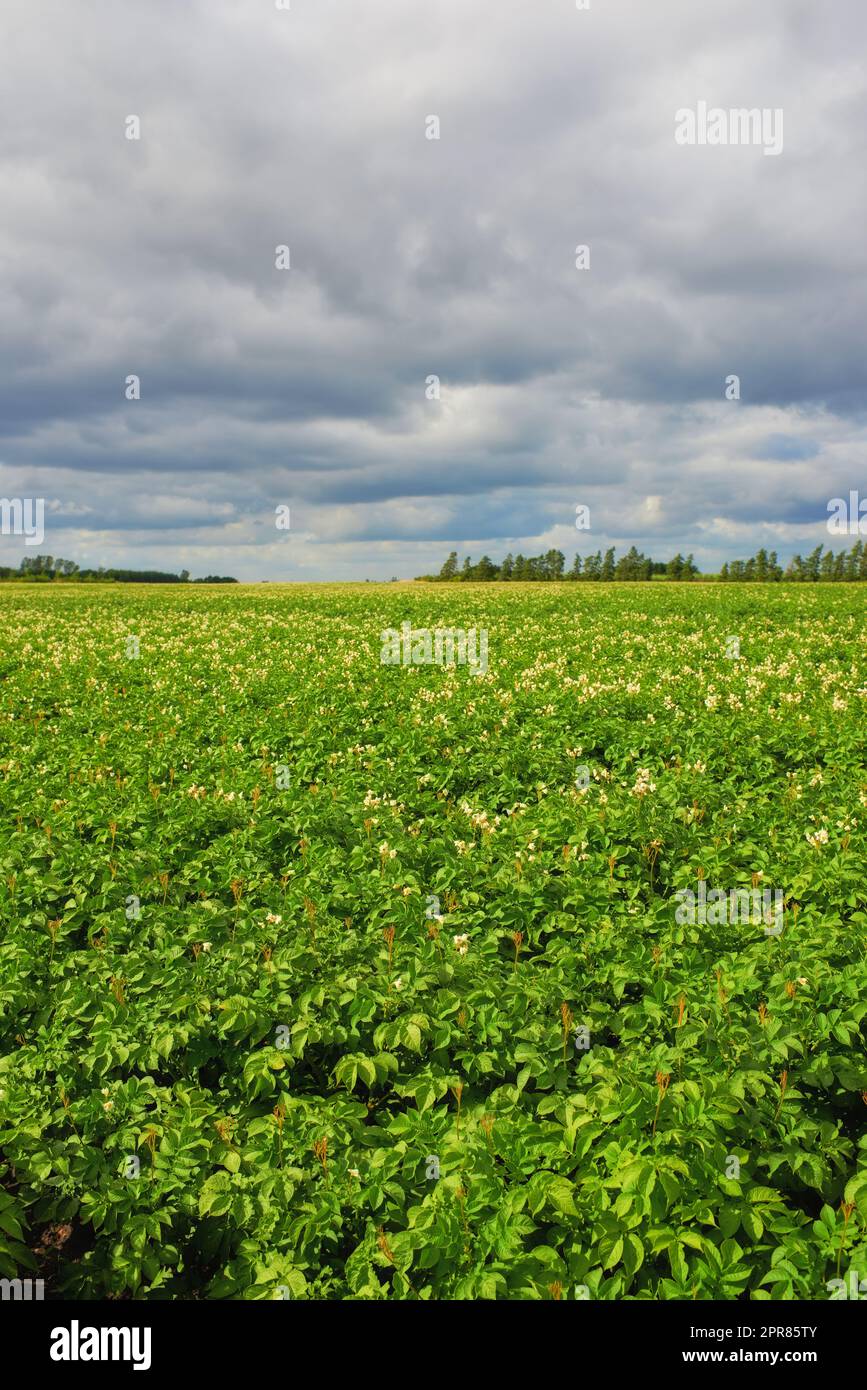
537,974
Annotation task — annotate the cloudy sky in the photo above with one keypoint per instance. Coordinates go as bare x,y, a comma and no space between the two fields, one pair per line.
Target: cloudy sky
412,257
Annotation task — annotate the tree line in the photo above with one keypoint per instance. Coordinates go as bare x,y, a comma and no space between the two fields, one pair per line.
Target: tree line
820,566
552,566
45,568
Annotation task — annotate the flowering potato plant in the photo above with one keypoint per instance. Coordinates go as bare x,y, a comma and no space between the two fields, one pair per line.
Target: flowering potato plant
323,977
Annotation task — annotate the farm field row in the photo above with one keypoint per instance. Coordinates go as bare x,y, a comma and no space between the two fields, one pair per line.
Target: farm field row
331,971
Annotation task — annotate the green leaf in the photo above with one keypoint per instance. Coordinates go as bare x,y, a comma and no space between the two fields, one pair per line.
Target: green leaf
752,1225
366,1070
614,1254
856,1193
559,1194
215,1196
763,1194
633,1253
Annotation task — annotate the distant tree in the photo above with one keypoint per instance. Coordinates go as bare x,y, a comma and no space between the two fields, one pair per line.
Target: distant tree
555,561
450,568
813,563
622,570
507,567
631,566
608,566
485,570
796,569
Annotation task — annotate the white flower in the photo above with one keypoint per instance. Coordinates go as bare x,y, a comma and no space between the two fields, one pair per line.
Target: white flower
273,919
643,784
398,984
462,944
206,945
819,837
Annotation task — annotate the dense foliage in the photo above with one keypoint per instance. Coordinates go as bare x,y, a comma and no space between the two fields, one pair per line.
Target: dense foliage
324,978
550,567
820,566
47,568
846,566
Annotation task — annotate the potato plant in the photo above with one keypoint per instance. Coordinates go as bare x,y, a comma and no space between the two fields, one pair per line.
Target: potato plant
323,978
